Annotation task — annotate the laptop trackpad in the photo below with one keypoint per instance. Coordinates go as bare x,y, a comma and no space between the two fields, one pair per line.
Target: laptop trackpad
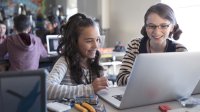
117,92
118,97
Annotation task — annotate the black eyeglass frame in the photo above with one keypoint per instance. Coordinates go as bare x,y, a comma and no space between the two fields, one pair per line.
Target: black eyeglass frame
161,26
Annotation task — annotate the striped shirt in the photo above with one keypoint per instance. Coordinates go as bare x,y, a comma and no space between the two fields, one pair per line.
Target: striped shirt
60,85
135,47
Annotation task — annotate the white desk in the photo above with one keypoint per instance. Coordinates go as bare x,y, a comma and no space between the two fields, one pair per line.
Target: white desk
114,63
149,108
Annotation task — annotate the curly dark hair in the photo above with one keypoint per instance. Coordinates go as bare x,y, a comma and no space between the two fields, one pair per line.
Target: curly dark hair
165,12
69,49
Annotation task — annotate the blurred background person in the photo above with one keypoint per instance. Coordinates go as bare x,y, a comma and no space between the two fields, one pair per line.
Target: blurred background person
24,49
2,31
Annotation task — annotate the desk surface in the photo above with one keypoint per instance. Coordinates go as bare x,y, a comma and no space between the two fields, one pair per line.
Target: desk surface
44,62
149,108
50,58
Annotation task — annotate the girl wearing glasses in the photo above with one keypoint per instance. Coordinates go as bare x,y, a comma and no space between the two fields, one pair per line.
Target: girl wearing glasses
160,26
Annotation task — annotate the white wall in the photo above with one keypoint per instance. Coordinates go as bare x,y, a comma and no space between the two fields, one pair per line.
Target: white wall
187,15
89,7
126,20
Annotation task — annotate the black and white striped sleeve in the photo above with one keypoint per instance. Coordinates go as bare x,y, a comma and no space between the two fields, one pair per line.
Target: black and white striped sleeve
127,62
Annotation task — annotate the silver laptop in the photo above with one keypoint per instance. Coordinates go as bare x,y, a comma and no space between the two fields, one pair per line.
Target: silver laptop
23,91
197,89
157,77
52,44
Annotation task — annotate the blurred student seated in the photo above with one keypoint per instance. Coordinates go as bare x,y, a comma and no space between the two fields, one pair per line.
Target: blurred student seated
51,26
2,31
3,36
119,47
24,50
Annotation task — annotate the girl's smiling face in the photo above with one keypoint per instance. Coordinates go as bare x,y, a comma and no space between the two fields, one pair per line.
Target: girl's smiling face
88,42
157,28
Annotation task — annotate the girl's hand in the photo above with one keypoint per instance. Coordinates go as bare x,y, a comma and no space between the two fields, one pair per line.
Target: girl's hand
100,83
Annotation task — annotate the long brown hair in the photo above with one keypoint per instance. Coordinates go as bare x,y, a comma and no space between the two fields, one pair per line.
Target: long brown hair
69,49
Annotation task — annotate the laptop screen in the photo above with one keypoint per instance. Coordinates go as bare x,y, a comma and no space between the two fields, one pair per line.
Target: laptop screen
23,91
52,43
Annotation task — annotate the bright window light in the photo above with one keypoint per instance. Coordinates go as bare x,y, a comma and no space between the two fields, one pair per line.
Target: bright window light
188,18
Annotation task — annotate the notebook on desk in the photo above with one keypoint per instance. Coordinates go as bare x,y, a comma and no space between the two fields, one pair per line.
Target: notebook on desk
157,77
52,44
23,91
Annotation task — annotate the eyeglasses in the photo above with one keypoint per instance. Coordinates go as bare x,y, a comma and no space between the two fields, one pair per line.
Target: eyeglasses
153,27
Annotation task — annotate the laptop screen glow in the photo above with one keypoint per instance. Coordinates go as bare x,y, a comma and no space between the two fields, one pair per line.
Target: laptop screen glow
52,43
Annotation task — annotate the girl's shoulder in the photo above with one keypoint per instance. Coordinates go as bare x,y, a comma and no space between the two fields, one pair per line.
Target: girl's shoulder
62,59
178,46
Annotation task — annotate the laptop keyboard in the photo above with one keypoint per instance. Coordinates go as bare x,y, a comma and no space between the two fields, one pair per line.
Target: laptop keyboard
118,97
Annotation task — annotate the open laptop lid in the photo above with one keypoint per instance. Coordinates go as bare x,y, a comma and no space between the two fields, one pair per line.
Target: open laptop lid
157,77
23,91
52,43
161,77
